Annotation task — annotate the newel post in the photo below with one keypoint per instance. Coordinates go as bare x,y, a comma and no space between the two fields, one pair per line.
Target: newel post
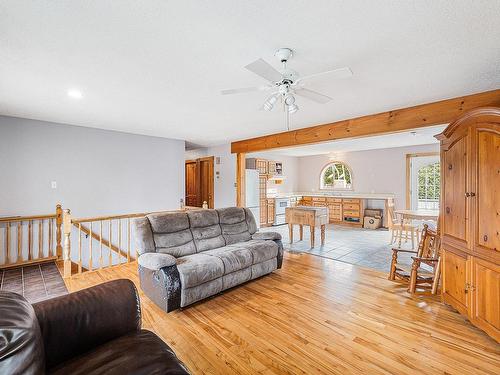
59,220
67,242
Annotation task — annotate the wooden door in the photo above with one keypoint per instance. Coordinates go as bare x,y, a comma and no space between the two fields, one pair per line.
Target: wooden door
191,183
454,167
207,181
199,182
486,196
455,280
485,286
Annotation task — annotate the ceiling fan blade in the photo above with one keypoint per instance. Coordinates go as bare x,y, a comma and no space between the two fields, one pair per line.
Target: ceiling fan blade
244,89
312,95
263,69
334,74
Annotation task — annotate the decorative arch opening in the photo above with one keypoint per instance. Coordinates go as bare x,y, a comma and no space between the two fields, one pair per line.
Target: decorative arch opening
336,176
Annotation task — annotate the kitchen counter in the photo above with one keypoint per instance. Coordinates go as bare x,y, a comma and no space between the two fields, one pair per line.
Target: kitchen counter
337,195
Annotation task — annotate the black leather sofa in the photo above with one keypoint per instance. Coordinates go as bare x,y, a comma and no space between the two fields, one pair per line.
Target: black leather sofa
93,331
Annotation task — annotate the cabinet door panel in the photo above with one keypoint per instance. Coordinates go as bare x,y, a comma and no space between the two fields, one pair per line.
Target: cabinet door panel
488,190
455,185
454,281
486,300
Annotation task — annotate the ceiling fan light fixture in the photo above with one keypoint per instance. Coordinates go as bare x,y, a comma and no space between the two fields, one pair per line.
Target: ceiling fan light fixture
289,99
293,108
269,103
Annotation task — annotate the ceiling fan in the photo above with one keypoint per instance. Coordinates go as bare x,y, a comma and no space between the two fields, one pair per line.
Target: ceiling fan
287,83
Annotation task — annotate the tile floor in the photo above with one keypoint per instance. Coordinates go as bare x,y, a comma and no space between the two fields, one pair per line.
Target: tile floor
36,283
364,247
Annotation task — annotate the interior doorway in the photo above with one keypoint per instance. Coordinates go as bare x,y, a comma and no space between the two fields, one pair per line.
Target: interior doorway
199,185
423,181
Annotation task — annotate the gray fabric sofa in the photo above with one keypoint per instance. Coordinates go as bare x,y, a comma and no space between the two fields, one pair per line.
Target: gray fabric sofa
185,257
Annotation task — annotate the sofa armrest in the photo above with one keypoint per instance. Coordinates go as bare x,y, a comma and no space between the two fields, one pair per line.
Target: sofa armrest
266,236
75,323
156,261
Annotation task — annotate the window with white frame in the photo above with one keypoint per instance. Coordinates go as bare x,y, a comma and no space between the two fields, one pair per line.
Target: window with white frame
336,176
429,188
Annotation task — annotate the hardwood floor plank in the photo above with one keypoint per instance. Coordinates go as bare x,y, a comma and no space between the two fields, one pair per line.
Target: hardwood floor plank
316,315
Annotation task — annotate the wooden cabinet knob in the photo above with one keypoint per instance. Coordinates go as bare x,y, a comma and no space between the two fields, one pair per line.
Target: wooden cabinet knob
485,238
448,210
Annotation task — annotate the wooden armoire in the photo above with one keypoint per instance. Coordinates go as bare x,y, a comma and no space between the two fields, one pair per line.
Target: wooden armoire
470,217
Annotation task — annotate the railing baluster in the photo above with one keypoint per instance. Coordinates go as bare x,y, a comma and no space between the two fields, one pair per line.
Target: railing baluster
30,239
50,250
119,240
100,244
128,240
90,247
110,261
40,239
7,242
19,242
79,248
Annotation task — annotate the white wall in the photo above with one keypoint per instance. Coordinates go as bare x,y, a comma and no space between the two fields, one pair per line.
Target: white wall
224,173
97,171
374,171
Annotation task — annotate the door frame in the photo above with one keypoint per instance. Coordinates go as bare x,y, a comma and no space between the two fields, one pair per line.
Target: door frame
408,172
198,161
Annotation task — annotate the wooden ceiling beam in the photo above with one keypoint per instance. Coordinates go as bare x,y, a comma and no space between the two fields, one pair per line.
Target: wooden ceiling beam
398,120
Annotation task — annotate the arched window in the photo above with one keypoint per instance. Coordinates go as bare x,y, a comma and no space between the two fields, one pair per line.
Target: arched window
429,186
336,176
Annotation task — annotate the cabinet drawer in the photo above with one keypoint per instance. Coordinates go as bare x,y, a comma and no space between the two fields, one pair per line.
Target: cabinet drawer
351,213
319,204
351,200
319,199
351,206
334,200
307,198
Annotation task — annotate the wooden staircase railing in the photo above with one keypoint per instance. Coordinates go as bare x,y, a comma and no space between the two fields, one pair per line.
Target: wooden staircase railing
28,240
101,241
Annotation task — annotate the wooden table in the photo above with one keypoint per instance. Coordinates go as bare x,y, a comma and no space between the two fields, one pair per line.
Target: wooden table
306,215
416,215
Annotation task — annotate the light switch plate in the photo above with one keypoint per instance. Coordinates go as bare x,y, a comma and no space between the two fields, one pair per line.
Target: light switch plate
53,184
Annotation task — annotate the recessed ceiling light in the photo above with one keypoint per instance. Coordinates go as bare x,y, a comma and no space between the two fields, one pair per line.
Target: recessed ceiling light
75,94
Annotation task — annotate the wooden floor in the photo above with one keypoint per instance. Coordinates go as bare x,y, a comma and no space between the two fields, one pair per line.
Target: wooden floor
316,315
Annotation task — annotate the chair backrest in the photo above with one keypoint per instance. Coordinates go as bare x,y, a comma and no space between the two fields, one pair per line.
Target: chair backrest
429,245
391,216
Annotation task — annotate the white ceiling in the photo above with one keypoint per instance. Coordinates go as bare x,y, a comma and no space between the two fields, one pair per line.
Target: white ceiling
156,67
415,137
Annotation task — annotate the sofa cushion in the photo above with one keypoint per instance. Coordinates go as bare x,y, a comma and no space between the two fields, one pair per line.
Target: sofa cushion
21,344
137,353
199,268
234,225
172,234
234,258
252,225
261,250
206,229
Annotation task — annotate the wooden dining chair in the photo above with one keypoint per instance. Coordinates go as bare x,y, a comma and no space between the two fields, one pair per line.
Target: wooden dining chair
404,231
426,254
